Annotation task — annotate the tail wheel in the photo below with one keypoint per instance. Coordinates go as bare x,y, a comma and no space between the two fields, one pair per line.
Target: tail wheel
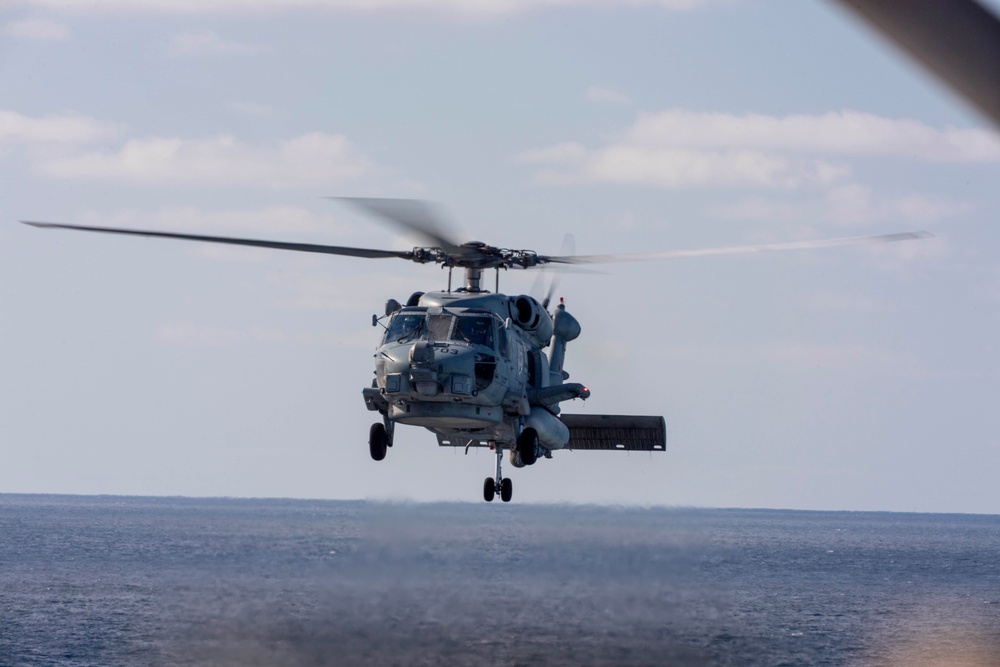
506,489
489,489
527,445
378,441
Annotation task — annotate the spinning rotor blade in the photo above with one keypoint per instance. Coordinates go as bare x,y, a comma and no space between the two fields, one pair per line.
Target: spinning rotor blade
957,40
301,247
739,250
568,249
413,215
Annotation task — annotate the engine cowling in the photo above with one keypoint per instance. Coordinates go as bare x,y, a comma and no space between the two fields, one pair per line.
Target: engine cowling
532,318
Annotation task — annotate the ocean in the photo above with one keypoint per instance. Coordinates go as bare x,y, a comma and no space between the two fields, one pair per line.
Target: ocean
109,580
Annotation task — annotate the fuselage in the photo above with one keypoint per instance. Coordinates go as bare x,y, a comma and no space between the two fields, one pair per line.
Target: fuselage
454,364
469,366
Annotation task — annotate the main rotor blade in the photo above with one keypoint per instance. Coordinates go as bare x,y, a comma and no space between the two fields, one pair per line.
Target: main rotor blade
957,40
301,247
568,249
740,250
411,214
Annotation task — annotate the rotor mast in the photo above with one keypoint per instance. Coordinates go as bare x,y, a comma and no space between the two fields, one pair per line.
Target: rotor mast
473,279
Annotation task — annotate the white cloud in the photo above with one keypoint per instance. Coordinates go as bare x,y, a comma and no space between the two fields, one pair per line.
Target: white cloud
677,167
757,208
599,95
456,7
71,129
207,42
685,149
41,29
834,133
311,160
855,204
316,159
682,168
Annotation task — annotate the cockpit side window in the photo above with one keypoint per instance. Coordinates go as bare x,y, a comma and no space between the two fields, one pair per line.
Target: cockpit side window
404,327
475,329
502,335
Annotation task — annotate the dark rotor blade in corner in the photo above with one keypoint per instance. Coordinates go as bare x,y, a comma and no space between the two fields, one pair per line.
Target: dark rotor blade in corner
280,245
411,214
958,40
740,250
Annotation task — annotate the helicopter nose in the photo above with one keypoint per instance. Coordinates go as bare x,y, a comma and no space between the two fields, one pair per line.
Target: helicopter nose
421,353
448,369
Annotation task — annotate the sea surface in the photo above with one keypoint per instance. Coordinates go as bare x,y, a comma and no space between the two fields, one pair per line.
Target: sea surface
177,581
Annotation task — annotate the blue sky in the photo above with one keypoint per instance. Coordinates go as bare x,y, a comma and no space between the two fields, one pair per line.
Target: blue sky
850,378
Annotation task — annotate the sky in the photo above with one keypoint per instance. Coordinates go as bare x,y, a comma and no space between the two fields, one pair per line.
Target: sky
854,378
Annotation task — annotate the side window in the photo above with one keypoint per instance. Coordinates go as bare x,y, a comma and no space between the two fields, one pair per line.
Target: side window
502,339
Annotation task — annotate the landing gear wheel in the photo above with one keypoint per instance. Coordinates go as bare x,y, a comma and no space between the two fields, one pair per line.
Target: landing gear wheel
527,446
506,489
378,441
489,489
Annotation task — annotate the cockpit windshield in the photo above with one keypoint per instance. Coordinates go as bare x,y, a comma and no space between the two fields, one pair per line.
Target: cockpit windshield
439,326
407,326
475,329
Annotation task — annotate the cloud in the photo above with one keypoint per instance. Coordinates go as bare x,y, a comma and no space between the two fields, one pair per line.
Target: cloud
858,205
207,42
310,160
685,149
599,95
68,129
834,133
455,7
41,29
676,167
757,208
59,149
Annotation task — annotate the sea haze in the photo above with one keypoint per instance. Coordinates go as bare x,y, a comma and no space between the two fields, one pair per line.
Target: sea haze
177,581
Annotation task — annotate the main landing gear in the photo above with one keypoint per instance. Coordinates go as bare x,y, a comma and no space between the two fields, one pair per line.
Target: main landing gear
527,446
501,484
380,439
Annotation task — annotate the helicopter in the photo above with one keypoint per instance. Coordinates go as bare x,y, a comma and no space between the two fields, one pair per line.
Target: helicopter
469,364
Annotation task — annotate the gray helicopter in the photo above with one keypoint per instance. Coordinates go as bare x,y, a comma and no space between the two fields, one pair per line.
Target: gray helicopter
469,364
